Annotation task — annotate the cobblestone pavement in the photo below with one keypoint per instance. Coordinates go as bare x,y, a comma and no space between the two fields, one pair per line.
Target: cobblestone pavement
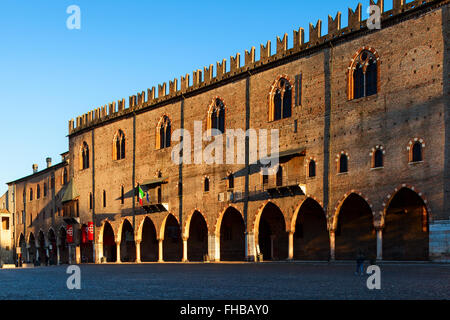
280,281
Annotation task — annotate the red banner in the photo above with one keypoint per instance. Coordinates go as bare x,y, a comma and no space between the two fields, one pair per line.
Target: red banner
83,234
69,233
90,231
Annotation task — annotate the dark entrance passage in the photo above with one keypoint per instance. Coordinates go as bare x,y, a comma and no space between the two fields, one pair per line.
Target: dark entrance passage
127,244
172,244
63,248
109,244
232,237
42,260
405,233
31,249
149,243
272,236
86,246
355,230
311,238
52,249
198,238
22,256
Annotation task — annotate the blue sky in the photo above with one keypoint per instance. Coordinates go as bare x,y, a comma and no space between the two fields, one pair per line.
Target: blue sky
50,74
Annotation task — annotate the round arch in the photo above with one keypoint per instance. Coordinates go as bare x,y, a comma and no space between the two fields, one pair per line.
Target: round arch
109,242
196,233
354,228
230,233
171,234
63,249
188,220
52,247
406,227
311,239
148,239
271,234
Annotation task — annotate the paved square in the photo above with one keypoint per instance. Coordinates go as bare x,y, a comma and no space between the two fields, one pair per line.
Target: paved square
265,281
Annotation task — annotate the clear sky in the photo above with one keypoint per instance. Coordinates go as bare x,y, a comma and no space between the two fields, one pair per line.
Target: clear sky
50,74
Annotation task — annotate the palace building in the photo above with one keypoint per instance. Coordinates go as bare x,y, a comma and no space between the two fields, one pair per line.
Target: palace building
364,157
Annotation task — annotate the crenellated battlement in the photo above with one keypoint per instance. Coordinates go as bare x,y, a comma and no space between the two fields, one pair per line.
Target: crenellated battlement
205,77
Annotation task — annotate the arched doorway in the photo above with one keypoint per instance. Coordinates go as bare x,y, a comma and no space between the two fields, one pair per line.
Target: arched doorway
273,239
86,246
149,243
355,230
198,238
232,237
311,238
52,249
405,233
22,256
42,250
172,244
31,248
109,243
127,244
63,248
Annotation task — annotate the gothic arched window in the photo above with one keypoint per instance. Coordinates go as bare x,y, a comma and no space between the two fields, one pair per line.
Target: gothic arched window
280,104
163,133
216,116
119,146
84,156
363,75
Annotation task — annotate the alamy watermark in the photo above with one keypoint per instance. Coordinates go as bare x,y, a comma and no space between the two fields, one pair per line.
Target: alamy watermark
74,20
374,21
74,280
235,149
374,280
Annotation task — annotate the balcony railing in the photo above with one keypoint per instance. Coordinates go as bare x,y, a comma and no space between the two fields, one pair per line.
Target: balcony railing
272,189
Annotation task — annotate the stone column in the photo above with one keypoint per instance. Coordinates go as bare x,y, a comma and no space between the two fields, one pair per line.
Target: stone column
118,252
332,245
379,244
213,247
138,251
291,246
77,254
185,250
160,251
58,257
37,253
251,247
99,249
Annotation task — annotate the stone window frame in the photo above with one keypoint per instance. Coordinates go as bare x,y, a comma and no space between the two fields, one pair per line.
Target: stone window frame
373,153
214,108
276,86
204,184
410,148
84,156
122,144
232,185
167,123
338,162
307,167
351,69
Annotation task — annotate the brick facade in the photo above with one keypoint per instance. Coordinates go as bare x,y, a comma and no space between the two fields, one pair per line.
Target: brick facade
410,105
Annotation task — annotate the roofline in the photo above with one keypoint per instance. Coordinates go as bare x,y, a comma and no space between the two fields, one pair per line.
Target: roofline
61,164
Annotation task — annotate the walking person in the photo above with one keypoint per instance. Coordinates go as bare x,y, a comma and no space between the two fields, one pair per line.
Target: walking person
360,262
